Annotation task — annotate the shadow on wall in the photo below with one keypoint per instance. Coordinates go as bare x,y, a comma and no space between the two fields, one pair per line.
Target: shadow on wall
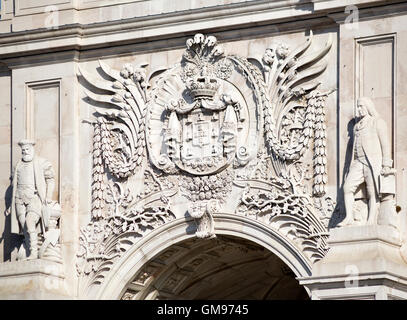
11,242
339,212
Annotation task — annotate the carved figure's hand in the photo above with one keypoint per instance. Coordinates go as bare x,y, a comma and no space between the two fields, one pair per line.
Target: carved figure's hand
387,171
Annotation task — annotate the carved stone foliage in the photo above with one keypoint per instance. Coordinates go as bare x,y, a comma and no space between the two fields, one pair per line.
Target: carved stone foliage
293,108
292,214
220,132
104,240
206,194
199,188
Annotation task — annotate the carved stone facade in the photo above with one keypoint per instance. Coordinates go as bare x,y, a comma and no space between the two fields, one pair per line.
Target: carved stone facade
176,149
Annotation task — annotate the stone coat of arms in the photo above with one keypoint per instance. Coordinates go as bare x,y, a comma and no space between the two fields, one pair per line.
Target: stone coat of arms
220,131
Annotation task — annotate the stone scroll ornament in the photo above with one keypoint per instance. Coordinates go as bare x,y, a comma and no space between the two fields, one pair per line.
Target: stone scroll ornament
196,130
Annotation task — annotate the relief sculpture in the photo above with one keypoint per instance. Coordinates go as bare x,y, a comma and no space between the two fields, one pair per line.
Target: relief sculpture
214,133
33,212
371,166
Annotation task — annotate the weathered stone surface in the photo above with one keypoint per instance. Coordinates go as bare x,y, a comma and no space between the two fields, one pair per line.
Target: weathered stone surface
363,262
231,132
34,279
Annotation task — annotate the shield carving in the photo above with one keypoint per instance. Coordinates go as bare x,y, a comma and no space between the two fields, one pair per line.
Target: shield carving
202,113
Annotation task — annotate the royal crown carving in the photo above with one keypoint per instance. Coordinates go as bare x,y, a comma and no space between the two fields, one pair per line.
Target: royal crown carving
215,133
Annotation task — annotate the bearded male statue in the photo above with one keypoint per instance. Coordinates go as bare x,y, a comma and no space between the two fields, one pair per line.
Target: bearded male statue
33,185
371,158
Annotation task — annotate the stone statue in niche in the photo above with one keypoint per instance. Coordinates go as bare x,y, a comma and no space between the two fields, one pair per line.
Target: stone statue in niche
371,162
33,213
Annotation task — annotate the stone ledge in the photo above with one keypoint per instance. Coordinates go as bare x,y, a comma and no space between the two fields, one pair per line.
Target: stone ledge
370,248
360,257
79,36
348,235
339,280
375,287
32,279
30,267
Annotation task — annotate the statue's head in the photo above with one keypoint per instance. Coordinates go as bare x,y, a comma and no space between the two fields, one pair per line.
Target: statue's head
27,149
365,107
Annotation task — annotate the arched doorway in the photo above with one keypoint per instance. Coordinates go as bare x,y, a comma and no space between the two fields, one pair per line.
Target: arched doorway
225,267
218,137
246,260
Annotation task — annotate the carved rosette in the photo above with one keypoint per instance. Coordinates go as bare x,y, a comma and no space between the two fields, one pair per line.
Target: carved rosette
210,126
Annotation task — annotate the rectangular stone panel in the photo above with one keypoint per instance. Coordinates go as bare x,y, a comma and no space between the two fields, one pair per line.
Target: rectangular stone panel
27,4
375,73
43,123
98,3
23,7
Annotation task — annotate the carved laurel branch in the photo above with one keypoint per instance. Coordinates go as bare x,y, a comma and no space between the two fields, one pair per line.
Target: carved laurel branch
278,88
122,107
316,100
288,77
290,214
104,241
98,171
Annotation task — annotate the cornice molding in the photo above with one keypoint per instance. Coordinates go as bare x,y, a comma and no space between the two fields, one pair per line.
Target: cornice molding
177,24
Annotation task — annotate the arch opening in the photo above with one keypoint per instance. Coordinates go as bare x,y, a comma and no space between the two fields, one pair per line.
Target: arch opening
133,273
225,267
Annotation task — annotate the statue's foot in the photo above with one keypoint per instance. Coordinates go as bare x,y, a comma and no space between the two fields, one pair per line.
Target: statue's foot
370,222
33,256
346,222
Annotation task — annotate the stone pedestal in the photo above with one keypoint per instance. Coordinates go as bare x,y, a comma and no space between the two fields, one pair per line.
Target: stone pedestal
34,279
364,262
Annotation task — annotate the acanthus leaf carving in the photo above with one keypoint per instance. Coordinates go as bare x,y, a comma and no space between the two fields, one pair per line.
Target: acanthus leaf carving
293,108
209,124
103,241
291,214
121,131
